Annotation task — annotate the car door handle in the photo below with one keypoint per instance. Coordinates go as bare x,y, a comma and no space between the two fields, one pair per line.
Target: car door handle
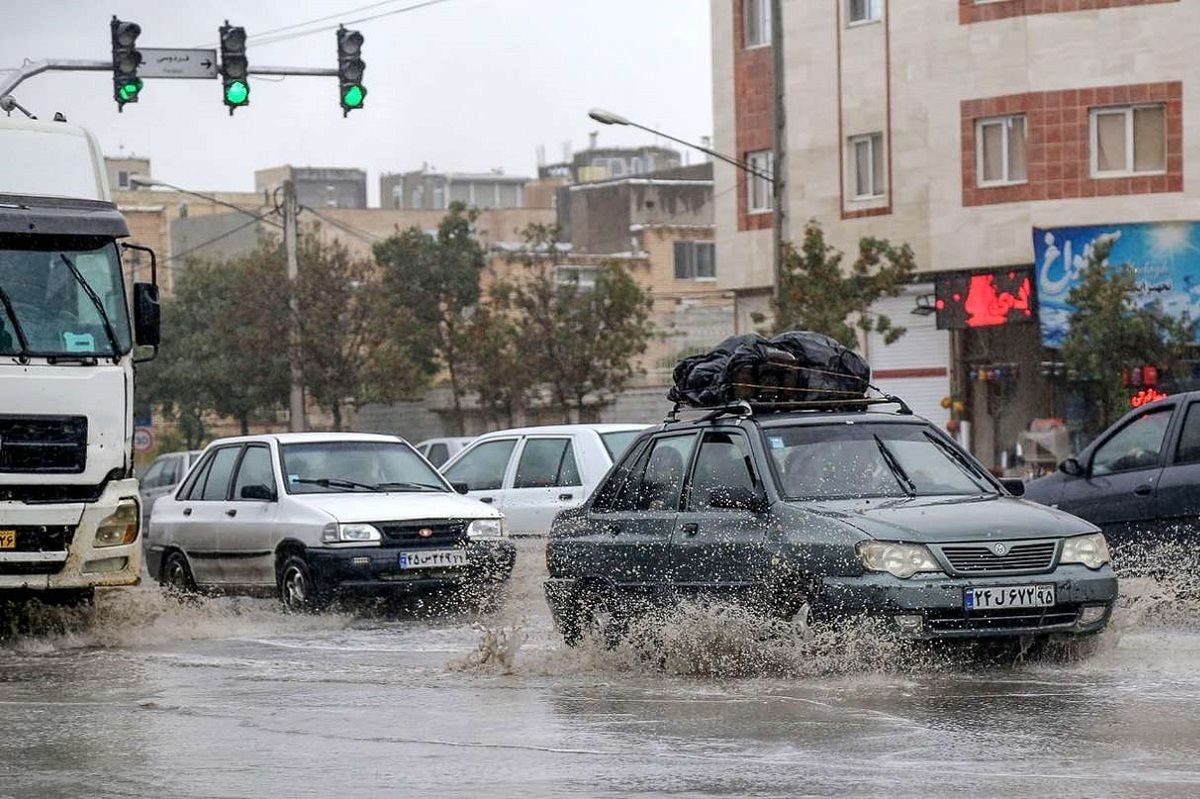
565,497
1143,490
691,528
231,512
187,511
488,500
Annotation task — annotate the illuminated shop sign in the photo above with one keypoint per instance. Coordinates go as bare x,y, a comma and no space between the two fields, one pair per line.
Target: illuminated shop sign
1165,257
985,299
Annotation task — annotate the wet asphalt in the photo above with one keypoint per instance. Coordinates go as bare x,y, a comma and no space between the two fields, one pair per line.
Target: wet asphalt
230,697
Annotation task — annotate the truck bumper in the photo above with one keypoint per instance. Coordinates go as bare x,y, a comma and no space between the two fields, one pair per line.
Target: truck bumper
82,564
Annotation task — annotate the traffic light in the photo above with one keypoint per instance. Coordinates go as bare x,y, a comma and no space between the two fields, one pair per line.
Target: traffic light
126,59
234,66
350,70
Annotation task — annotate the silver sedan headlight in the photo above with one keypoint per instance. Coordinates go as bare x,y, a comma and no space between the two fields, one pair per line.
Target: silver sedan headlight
351,533
898,560
1090,550
488,528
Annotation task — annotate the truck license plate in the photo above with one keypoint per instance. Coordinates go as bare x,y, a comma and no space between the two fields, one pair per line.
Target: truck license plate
1009,596
8,539
433,559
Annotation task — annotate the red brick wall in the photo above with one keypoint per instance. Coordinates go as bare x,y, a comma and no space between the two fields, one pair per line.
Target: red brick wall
1058,149
754,112
969,12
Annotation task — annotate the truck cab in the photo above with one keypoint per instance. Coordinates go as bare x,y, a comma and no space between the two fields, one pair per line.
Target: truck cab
69,508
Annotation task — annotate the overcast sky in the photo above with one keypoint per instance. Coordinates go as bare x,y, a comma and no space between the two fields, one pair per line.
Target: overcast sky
465,85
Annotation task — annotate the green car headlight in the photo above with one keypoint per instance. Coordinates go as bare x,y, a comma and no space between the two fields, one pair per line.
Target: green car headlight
1089,550
898,560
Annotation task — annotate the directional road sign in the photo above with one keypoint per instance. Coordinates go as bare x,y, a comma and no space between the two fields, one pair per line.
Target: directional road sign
165,62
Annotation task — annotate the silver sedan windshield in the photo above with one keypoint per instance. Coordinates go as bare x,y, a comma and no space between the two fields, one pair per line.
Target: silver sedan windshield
340,466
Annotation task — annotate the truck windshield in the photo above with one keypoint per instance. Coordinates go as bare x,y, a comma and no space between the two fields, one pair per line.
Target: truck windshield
870,460
55,292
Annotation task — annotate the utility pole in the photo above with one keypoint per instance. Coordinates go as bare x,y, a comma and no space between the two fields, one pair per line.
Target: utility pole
296,421
779,185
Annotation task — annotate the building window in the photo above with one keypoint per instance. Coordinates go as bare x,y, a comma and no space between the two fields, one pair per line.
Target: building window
758,189
122,179
863,11
756,17
1129,141
866,159
1000,151
695,260
439,198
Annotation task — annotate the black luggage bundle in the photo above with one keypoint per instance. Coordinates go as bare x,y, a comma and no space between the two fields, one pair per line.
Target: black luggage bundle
790,369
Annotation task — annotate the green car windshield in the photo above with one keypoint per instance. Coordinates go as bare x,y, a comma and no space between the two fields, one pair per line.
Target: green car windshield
63,296
848,461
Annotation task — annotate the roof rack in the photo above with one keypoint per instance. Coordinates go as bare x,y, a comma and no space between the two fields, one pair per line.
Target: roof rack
751,407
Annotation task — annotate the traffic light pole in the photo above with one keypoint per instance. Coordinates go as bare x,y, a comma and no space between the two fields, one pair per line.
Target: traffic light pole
32,68
296,421
28,70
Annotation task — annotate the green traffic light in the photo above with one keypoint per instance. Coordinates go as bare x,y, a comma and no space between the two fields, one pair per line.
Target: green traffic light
129,91
237,93
353,98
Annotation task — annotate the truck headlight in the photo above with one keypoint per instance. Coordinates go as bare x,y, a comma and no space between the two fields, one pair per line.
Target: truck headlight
898,560
119,527
358,533
1090,550
487,528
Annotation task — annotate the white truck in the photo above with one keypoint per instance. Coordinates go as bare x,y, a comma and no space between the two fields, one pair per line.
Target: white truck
69,509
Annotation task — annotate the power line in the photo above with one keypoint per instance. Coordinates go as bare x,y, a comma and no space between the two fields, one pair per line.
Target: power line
251,37
297,34
211,199
213,240
321,19
346,227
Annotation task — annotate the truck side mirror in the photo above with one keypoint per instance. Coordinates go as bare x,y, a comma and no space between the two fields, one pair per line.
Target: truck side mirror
147,315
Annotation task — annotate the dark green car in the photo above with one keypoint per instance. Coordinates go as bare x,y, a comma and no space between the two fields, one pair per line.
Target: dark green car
832,514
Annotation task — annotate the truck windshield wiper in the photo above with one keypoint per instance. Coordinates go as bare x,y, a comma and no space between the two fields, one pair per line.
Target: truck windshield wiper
95,298
337,482
896,468
411,486
12,314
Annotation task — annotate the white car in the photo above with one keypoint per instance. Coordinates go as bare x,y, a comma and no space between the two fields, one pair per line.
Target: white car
162,478
439,450
312,514
532,473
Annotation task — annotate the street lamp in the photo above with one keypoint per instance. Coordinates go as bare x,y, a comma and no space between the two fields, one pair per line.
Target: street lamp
609,118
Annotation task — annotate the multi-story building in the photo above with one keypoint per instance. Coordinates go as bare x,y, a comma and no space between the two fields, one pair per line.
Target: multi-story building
153,211
122,168
317,187
607,163
659,226
426,190
998,138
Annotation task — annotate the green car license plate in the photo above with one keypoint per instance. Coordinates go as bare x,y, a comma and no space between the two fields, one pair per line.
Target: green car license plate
1009,596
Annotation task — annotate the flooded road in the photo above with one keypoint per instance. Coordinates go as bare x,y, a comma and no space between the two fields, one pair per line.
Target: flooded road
233,698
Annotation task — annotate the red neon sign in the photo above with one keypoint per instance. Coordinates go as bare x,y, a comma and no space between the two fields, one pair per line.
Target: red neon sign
988,306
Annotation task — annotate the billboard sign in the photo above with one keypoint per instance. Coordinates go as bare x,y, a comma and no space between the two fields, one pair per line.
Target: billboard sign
1165,257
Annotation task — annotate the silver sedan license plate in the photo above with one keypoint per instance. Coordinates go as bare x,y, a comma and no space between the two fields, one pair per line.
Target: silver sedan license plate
433,559
1009,596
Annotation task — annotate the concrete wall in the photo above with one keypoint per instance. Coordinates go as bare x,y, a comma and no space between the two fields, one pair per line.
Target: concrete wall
601,216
